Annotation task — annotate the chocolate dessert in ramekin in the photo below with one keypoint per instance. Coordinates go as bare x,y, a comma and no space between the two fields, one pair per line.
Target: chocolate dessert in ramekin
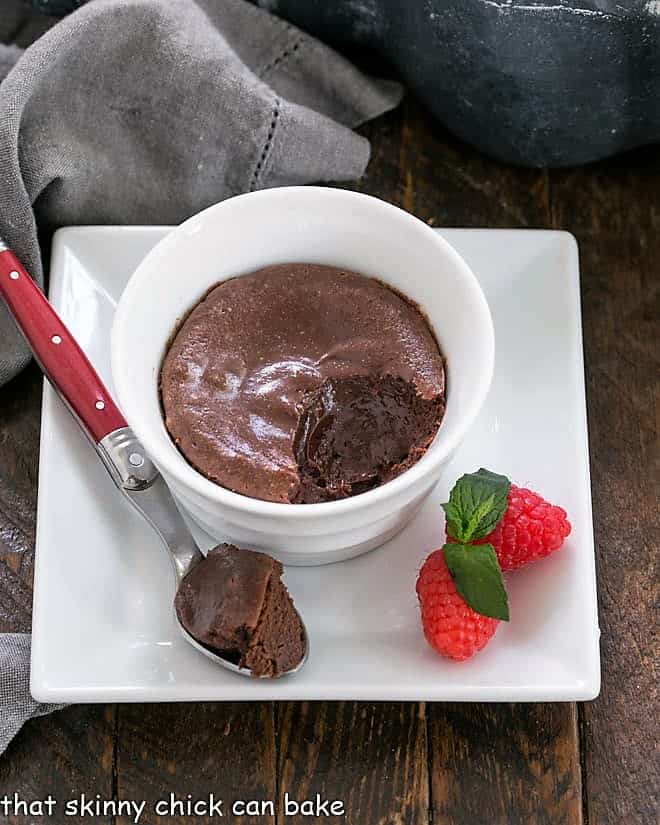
303,383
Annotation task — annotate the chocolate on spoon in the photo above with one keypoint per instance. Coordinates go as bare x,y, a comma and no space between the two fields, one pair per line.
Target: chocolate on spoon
234,604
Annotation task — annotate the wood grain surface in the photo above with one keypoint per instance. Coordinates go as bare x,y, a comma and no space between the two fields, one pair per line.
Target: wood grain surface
227,749
514,764
614,209
373,757
391,763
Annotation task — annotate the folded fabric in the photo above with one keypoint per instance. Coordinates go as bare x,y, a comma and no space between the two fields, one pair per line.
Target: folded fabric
16,704
8,57
146,111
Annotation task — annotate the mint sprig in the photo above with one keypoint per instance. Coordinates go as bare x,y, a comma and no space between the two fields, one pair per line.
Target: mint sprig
476,504
478,578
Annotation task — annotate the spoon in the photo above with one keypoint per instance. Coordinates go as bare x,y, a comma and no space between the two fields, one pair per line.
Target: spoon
75,380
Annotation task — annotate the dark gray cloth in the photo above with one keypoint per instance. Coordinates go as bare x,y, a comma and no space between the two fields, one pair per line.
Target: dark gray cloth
146,111
16,704
8,57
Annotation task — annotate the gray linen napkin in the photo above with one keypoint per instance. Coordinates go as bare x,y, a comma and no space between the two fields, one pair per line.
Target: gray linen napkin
8,57
16,704
145,111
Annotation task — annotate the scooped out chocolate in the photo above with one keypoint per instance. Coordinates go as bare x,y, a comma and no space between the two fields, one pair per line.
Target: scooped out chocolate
235,603
357,433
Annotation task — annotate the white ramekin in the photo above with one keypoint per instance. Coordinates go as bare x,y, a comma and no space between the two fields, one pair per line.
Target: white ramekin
315,225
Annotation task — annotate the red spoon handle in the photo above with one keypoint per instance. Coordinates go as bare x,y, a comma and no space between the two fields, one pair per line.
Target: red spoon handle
61,359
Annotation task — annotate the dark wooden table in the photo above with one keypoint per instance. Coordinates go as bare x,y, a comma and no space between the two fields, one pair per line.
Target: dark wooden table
395,763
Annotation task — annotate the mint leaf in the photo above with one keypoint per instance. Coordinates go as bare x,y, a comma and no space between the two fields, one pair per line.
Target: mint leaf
476,503
478,578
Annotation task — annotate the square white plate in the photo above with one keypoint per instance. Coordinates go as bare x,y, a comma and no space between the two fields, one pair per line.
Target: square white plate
103,626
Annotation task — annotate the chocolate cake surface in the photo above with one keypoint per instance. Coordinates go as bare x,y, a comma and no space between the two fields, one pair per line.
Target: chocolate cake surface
235,602
357,433
293,352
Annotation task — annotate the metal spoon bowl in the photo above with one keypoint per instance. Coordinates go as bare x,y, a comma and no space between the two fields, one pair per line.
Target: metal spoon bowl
226,663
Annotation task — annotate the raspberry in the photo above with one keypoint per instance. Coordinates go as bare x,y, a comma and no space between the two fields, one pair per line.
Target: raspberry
450,626
530,529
